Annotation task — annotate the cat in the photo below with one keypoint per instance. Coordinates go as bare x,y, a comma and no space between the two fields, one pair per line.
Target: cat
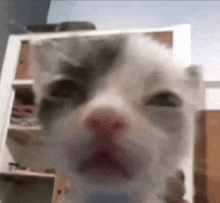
118,111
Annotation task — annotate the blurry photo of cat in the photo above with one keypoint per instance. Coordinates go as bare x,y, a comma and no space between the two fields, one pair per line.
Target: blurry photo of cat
118,111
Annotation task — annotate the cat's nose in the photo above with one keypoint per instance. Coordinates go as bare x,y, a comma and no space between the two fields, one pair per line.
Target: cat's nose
106,122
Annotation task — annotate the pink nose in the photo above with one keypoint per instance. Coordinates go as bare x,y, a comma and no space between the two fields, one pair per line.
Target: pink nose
107,122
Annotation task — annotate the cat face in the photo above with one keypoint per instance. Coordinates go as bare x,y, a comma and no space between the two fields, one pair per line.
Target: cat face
118,109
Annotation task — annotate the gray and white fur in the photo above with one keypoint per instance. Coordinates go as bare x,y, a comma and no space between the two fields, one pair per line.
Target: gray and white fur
127,79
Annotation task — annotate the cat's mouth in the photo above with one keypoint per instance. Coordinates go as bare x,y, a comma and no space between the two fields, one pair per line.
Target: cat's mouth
104,163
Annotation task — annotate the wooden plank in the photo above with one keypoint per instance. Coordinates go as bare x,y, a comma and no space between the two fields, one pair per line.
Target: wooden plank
212,155
23,63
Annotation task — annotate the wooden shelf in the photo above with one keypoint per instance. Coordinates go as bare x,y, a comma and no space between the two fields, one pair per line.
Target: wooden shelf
17,88
24,128
22,83
19,187
28,173
22,135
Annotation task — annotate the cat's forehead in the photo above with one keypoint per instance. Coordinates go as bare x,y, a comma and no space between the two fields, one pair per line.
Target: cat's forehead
97,56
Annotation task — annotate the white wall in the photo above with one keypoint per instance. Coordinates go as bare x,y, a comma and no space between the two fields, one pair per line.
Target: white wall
212,99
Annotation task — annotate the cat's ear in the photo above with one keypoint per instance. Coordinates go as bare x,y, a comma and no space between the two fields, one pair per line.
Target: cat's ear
42,54
194,76
194,80
41,60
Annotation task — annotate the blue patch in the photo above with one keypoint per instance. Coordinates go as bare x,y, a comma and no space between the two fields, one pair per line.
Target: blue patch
109,198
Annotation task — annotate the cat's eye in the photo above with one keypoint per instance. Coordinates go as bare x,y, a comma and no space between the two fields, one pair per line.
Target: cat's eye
165,99
63,89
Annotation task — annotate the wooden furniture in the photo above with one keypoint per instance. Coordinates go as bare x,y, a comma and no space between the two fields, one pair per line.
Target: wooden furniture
22,144
208,175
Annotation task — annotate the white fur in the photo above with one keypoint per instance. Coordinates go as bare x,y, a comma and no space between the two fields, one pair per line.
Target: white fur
148,69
